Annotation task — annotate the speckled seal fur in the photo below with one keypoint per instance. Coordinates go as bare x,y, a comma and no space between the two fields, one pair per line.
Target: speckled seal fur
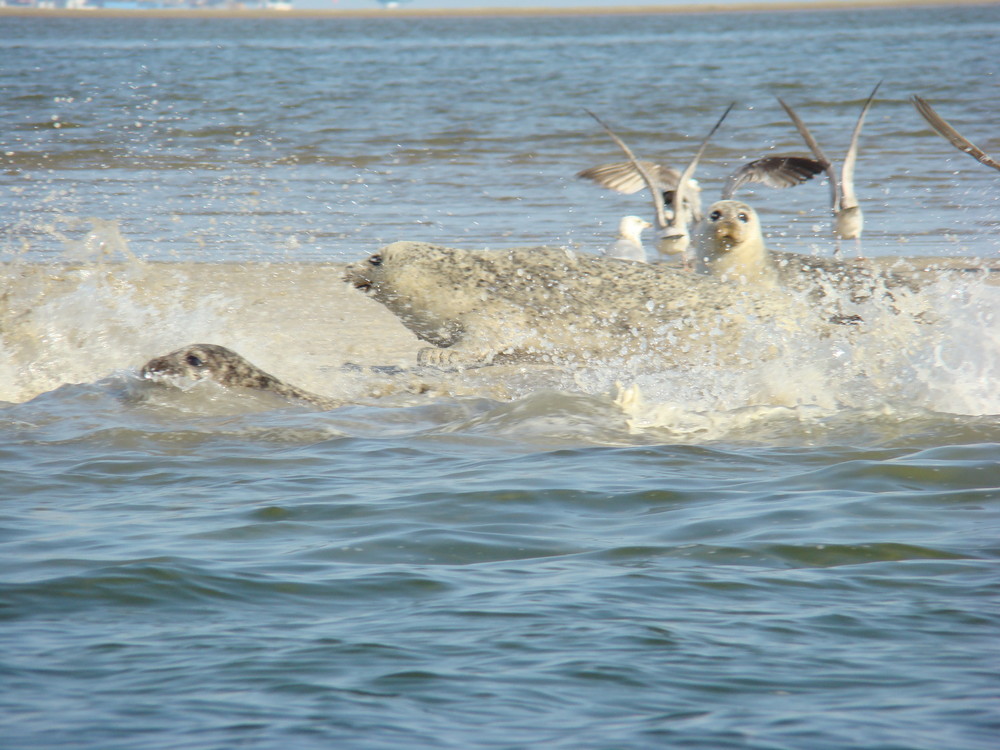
544,304
732,248
226,367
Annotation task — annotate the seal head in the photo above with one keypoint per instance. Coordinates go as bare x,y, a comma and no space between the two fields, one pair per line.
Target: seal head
732,245
227,368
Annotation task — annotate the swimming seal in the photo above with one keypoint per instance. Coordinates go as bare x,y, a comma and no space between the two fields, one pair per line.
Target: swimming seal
546,304
226,367
732,248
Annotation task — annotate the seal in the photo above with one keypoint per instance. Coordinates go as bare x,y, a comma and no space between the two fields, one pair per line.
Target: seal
732,246
226,367
550,305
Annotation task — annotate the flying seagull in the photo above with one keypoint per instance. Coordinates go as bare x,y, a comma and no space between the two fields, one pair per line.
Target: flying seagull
667,185
848,220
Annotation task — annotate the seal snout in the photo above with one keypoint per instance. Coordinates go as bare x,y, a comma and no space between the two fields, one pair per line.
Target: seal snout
356,274
728,233
155,368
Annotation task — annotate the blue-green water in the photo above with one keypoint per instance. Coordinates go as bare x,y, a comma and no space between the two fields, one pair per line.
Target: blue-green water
214,569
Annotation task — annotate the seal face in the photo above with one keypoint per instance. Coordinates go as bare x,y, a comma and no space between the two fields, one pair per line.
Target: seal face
546,303
225,367
732,245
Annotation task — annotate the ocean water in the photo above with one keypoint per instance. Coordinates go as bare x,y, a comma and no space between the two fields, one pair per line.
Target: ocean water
800,551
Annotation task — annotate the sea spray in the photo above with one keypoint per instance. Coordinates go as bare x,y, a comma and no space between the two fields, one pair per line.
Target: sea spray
936,350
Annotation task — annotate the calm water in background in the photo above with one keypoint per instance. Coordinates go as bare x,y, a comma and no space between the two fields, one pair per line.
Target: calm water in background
216,570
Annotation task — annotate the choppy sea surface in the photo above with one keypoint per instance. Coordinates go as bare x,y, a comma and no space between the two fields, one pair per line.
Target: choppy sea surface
685,560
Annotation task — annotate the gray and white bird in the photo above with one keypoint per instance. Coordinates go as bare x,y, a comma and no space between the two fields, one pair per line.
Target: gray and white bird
628,245
676,195
674,236
848,219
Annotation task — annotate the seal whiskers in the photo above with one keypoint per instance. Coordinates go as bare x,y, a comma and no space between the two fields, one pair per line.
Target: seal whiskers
732,244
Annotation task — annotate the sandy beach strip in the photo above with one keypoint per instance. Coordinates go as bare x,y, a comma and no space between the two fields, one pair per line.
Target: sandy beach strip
376,13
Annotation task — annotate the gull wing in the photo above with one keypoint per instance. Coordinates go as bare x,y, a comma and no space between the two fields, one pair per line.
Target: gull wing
660,212
622,177
683,194
847,197
944,129
817,152
777,171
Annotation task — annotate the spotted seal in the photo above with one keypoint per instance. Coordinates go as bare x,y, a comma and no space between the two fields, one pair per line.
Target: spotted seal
732,245
226,367
548,304
732,248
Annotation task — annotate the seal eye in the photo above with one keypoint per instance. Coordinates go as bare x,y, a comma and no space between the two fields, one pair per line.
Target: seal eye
194,360
715,215
375,260
743,217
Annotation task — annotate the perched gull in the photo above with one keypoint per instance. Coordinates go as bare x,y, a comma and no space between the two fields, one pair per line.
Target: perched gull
669,186
848,220
629,243
944,129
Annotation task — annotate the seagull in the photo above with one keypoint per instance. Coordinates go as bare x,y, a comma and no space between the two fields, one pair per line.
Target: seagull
629,243
681,190
848,220
956,139
626,179
674,236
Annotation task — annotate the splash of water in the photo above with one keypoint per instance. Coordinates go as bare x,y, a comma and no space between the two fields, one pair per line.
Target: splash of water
931,350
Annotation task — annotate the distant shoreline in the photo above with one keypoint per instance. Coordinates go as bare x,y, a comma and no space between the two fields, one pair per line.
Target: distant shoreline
682,9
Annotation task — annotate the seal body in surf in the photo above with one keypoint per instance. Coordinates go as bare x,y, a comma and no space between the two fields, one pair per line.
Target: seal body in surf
550,304
732,248
225,367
